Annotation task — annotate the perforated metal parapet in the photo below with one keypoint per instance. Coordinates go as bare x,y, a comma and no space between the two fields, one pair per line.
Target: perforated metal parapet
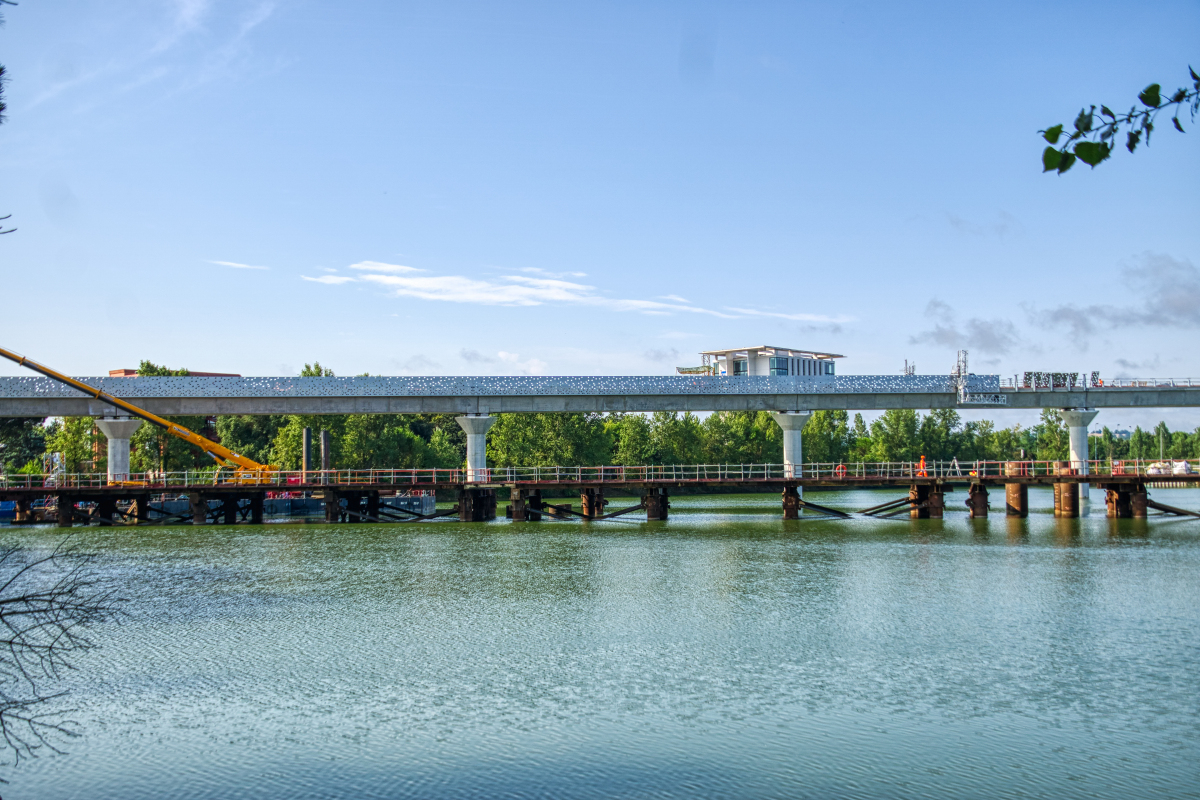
495,386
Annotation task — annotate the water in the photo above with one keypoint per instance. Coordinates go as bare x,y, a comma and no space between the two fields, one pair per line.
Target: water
724,653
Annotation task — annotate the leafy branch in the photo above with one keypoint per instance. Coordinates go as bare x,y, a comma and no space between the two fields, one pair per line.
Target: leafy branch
1095,135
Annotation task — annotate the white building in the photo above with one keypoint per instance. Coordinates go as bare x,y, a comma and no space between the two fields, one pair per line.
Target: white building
764,360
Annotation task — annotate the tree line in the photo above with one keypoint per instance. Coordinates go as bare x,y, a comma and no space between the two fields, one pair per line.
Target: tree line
395,441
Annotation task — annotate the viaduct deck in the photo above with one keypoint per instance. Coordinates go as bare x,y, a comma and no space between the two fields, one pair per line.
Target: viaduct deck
42,397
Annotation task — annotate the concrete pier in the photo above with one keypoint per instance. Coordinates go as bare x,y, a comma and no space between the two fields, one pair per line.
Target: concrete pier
792,423
476,427
1077,421
118,431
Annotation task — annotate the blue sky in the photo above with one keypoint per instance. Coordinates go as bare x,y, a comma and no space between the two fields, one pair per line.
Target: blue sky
505,188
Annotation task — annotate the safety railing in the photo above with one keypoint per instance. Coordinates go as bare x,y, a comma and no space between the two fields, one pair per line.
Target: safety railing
1073,381
410,479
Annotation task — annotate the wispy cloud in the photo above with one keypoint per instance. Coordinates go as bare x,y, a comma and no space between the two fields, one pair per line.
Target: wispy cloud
236,265
331,280
750,312
525,291
536,271
379,266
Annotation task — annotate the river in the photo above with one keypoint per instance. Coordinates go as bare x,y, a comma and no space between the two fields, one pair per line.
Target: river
723,653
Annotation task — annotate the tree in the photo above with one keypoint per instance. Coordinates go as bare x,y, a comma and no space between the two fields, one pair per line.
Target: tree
826,437
894,436
544,440
47,603
76,440
740,437
1053,442
22,441
1095,135
631,437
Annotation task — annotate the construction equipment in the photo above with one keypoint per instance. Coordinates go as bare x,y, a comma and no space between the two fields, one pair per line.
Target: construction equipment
244,469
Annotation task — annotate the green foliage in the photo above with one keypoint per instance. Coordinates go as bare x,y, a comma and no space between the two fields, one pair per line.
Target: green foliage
1053,442
249,435
147,369
740,437
675,439
630,434
23,440
528,440
1094,136
77,441
152,449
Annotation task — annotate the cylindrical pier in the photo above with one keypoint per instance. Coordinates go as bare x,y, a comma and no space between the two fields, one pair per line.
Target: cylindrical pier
1016,500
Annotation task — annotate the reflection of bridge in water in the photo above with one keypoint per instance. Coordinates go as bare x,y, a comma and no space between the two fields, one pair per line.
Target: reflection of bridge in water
364,495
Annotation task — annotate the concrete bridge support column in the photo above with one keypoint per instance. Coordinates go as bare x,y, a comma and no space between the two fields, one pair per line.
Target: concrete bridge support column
792,423
1016,500
1077,420
476,427
791,502
977,501
657,503
118,430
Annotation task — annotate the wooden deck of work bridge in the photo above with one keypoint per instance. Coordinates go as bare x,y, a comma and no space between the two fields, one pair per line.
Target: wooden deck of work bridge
361,496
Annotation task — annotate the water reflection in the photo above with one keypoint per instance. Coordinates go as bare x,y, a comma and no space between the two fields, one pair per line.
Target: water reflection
722,653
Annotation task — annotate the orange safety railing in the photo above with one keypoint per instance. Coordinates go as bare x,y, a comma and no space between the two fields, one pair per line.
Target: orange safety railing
848,472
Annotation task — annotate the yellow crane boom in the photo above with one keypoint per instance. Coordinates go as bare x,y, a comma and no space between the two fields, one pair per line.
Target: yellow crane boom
246,470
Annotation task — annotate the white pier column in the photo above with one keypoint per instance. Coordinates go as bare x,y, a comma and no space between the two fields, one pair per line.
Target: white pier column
118,430
1077,420
476,427
792,423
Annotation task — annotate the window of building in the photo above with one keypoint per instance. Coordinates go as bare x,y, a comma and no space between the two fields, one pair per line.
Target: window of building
779,366
828,367
741,367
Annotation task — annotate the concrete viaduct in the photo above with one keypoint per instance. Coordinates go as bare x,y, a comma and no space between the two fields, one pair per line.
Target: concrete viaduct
791,399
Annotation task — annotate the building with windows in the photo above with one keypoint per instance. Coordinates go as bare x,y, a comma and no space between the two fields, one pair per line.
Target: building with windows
764,360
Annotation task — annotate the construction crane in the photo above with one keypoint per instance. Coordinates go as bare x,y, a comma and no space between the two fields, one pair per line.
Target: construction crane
244,469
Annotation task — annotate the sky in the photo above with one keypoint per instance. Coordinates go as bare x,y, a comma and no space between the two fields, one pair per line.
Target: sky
592,188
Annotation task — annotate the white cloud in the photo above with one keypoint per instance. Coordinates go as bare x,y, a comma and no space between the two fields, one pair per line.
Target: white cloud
675,298
537,271
379,266
750,312
236,265
525,291
332,280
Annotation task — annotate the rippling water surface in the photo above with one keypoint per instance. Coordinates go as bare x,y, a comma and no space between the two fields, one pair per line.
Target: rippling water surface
724,653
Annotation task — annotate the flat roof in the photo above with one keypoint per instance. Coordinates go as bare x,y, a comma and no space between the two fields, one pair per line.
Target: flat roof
786,351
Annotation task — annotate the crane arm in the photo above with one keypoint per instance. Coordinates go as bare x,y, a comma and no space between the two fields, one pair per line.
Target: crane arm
222,455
